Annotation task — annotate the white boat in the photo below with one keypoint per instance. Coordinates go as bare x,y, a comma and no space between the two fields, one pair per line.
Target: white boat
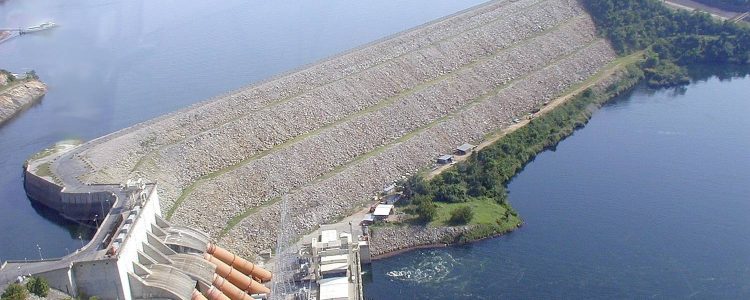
40,27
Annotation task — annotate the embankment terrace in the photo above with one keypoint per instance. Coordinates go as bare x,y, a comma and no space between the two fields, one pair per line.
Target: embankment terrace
328,136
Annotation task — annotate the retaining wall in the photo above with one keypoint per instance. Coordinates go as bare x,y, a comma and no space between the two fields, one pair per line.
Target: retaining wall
76,206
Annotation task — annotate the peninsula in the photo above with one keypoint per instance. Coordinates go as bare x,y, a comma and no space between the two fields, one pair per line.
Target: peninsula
18,93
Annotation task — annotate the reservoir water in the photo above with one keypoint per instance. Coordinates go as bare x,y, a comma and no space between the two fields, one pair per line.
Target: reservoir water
113,63
649,200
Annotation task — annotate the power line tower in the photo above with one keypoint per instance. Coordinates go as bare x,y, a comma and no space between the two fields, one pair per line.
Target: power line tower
283,287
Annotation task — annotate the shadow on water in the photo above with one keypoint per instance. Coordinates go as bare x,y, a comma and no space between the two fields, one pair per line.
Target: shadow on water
76,230
17,114
700,73
725,73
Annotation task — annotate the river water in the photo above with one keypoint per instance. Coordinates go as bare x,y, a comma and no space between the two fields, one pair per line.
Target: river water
649,200
113,63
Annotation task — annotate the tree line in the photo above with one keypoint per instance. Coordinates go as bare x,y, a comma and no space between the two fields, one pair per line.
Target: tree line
483,175
673,39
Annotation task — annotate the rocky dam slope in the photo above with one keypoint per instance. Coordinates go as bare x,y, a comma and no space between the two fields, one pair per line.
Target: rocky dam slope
17,95
326,137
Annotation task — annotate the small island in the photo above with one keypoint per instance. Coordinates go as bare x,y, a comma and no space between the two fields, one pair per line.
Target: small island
18,92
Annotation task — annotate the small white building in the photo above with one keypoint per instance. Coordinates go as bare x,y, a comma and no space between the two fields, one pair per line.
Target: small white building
382,211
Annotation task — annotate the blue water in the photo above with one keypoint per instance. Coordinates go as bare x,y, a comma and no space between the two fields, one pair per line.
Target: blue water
650,200
114,63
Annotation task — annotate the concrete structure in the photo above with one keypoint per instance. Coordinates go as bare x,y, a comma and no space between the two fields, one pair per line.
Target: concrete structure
336,262
347,127
135,253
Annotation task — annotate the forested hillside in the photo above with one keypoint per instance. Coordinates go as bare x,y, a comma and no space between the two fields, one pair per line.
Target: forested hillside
673,39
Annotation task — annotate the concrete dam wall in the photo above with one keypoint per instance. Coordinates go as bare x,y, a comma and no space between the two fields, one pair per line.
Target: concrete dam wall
85,206
326,137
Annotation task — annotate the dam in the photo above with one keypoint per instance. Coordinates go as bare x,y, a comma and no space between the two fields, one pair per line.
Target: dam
323,139
136,254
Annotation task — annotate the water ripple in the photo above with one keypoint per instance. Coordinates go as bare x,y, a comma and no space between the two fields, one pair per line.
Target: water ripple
429,267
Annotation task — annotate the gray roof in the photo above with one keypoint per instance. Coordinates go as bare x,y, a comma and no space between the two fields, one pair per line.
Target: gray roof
445,157
465,147
368,217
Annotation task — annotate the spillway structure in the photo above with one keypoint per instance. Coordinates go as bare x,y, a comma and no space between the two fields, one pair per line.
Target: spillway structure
316,143
136,254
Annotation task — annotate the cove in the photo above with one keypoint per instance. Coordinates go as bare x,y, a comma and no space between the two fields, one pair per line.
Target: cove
649,199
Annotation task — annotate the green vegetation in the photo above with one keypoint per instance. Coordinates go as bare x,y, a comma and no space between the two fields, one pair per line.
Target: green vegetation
31,75
461,215
15,291
672,39
473,192
8,75
38,286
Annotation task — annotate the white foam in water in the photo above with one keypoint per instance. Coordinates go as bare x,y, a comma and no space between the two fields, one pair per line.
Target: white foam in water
429,267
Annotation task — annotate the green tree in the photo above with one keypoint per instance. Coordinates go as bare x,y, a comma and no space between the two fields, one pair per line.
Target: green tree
674,38
426,211
31,75
461,215
451,193
15,291
415,185
38,286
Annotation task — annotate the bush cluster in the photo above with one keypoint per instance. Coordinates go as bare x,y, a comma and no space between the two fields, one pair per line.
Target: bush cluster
36,285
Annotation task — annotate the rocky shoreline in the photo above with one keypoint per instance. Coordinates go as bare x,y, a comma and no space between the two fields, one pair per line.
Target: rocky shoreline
17,95
393,240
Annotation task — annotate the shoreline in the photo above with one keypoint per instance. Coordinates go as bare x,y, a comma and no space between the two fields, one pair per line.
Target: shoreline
17,95
405,250
442,245
613,76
